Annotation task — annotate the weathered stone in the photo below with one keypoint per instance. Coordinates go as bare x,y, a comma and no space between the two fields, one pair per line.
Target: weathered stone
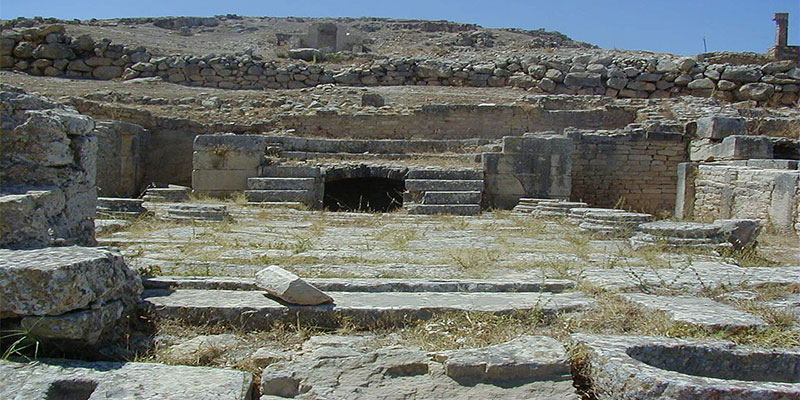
201,349
704,83
307,54
83,325
55,280
719,127
53,51
641,367
107,72
696,311
524,359
372,99
741,233
583,79
755,91
289,287
744,74
66,379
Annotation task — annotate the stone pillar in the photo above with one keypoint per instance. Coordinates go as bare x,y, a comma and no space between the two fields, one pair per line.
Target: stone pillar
782,28
684,201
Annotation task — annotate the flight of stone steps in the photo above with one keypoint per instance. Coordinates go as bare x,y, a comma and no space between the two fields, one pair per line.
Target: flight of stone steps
286,185
456,192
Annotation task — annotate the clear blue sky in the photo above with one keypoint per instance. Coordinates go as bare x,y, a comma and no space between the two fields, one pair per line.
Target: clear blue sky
674,26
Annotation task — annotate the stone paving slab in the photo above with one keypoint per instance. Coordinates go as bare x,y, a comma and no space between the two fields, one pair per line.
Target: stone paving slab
641,367
693,277
368,284
68,379
696,311
254,309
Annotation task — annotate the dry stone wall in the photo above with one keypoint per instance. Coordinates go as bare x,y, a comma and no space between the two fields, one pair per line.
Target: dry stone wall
629,169
47,51
47,172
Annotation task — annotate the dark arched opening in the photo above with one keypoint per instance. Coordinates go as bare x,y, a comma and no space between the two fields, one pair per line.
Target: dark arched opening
364,194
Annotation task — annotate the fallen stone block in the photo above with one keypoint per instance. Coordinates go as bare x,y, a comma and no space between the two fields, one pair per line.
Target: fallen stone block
289,287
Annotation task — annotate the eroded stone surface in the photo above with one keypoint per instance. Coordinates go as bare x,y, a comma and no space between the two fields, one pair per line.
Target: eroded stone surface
347,367
55,280
50,378
639,367
696,311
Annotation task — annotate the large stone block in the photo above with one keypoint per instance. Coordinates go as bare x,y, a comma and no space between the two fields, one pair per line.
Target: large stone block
718,127
56,280
221,180
289,287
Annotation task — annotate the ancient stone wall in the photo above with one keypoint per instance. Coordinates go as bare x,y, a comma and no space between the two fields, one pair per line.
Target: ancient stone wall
47,173
456,122
47,51
629,169
767,190
223,162
120,164
538,166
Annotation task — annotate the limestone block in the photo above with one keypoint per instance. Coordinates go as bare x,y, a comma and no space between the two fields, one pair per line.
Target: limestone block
719,127
700,311
83,325
201,349
526,358
289,287
204,180
107,72
55,280
741,233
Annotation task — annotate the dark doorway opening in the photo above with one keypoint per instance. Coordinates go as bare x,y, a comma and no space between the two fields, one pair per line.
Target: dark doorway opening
364,194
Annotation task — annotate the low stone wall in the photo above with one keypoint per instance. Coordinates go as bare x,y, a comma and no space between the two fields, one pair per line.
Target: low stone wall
457,122
628,169
47,172
47,51
767,190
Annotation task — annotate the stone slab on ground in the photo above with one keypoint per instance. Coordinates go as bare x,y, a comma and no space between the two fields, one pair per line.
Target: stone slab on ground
369,284
69,379
640,367
696,311
347,367
524,359
693,277
255,309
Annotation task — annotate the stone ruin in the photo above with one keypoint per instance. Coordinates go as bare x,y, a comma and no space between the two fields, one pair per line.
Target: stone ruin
610,166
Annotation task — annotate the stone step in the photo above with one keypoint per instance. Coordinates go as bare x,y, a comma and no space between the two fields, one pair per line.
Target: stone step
289,171
209,212
435,197
700,311
370,285
530,201
523,209
642,239
278,204
693,230
171,194
455,209
438,174
567,205
272,183
120,207
303,196
253,309
620,217
424,185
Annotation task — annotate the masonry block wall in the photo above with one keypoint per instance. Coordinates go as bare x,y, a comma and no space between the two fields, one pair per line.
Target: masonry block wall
635,169
767,190
538,166
223,162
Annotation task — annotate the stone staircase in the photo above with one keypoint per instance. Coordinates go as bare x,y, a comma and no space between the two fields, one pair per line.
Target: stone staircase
456,192
286,185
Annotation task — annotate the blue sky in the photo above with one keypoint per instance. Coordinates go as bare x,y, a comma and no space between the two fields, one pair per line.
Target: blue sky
674,26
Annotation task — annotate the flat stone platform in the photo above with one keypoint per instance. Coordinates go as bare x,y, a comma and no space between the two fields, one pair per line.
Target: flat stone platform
254,309
69,379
